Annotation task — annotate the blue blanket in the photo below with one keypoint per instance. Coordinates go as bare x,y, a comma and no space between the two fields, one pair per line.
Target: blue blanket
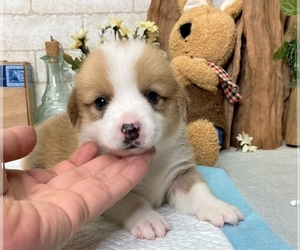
252,233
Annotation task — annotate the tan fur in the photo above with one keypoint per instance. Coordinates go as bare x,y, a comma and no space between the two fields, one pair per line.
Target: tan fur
214,41
185,180
57,140
205,140
57,137
173,98
88,89
234,9
204,33
172,171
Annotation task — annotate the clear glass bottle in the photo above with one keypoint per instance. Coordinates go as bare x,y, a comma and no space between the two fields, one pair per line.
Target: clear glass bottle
57,92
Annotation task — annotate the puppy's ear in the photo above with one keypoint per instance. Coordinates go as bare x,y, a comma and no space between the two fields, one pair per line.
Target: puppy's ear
73,110
183,102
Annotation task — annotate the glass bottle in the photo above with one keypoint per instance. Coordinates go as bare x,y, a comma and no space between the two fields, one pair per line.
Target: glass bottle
57,92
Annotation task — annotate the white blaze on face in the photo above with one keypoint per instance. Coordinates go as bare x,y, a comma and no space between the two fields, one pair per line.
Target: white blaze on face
127,105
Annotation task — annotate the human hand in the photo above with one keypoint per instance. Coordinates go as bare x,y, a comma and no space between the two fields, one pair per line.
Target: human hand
42,209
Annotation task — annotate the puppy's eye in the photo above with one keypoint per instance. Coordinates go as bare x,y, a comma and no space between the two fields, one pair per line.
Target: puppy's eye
100,103
152,96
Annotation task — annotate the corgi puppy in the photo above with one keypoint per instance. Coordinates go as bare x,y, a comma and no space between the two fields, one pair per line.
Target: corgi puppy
127,100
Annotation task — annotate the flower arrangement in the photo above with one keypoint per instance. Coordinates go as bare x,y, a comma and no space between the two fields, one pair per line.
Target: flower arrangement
144,30
246,141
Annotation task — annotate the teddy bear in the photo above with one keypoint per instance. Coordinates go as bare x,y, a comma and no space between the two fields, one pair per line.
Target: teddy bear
200,44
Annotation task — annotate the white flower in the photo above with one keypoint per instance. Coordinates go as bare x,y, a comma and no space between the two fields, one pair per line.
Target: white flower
145,30
151,37
76,44
115,22
249,148
79,39
246,141
148,25
80,35
126,32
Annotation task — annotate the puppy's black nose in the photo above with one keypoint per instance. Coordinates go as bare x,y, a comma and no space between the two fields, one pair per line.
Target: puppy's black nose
130,131
185,30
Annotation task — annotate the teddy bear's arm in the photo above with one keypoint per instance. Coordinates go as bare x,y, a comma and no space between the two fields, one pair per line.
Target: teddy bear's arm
195,70
179,74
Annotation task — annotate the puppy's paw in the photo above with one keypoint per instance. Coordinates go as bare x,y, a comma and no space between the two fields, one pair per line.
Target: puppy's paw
148,225
201,202
219,213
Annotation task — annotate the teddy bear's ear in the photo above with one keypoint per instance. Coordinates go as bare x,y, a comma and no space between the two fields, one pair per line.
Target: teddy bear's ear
231,7
185,5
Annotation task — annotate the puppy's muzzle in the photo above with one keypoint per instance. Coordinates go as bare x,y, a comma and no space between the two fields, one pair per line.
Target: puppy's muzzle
130,131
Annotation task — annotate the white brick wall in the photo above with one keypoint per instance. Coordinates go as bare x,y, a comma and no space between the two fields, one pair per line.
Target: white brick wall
27,24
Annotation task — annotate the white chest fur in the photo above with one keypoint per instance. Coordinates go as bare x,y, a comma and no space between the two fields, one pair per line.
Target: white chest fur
173,155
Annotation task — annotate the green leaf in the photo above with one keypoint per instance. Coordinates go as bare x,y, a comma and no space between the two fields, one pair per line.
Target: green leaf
68,59
292,58
281,52
74,63
293,84
291,34
77,62
74,67
289,7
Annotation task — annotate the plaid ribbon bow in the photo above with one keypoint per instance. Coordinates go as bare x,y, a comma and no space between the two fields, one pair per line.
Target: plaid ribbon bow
231,90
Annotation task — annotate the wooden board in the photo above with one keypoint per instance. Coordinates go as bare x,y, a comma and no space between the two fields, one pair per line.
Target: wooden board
14,107
18,102
292,126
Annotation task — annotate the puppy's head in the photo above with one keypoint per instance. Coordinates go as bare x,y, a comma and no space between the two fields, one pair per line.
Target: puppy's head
126,98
